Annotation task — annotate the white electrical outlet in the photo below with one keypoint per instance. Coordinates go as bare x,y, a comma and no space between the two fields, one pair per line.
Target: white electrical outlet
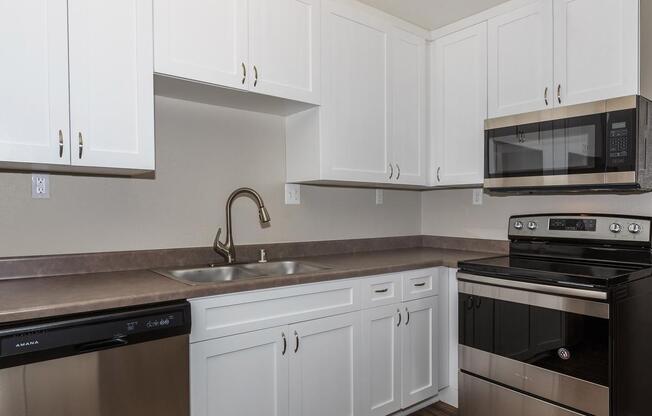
477,196
40,186
292,194
379,197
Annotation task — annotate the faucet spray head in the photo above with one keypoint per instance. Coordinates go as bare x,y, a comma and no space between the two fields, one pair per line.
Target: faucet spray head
264,215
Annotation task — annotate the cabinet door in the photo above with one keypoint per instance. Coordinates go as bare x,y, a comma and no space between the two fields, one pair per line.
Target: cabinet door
520,60
596,49
111,83
284,48
34,120
380,366
203,40
355,106
419,351
323,366
241,375
459,108
408,103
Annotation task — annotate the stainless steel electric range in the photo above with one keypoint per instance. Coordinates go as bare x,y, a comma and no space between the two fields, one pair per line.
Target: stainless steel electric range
563,325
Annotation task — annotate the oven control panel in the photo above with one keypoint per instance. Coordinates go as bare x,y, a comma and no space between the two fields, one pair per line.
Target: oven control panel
585,227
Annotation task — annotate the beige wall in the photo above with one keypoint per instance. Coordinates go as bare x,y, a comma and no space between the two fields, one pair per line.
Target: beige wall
452,213
203,153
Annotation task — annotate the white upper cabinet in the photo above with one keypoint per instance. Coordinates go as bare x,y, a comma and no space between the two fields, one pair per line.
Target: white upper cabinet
521,60
408,103
111,83
355,79
271,47
284,48
77,85
459,107
34,83
596,49
371,127
202,40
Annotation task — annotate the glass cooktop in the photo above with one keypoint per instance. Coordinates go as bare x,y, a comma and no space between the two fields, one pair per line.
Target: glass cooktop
556,271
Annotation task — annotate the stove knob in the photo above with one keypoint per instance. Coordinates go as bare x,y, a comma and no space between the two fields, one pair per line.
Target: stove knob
615,228
518,225
532,225
634,228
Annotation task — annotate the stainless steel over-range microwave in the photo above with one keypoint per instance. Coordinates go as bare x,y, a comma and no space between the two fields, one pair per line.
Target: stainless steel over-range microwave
596,146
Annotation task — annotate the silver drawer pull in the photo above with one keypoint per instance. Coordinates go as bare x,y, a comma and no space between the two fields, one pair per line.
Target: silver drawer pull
381,290
81,145
399,317
60,144
559,93
420,284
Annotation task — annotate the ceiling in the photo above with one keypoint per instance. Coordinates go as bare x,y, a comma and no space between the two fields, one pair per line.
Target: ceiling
432,14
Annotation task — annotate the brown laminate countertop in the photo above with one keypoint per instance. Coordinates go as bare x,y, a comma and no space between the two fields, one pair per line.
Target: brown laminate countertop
33,298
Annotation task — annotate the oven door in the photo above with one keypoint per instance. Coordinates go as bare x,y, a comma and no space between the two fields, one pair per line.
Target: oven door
544,345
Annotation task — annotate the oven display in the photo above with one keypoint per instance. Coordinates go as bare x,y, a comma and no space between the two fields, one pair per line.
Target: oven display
561,224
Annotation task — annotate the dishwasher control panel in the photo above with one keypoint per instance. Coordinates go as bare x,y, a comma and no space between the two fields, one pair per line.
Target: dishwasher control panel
79,335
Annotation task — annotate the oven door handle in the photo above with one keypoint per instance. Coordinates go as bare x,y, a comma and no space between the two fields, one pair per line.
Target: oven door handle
505,290
535,287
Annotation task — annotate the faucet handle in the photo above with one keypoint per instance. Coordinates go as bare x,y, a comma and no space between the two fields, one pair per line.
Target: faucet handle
217,242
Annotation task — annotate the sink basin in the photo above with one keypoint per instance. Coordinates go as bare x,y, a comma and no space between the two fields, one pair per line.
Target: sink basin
219,274
283,268
208,274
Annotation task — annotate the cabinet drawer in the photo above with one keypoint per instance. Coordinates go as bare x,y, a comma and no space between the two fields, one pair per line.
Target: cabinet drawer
381,290
419,284
231,314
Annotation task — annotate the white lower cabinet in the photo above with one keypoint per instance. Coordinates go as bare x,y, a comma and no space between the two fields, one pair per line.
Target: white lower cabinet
381,360
244,374
399,356
419,351
370,361
323,361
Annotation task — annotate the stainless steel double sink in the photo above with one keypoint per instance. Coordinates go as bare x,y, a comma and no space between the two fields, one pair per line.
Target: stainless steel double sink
227,273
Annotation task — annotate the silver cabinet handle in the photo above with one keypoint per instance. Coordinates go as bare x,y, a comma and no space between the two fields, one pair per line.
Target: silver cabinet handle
60,144
285,343
391,171
81,145
382,290
438,172
407,321
420,284
398,175
545,96
559,93
296,337
399,317
255,76
244,73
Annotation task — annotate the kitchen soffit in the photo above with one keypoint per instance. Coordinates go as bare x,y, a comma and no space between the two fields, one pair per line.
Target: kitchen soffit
432,14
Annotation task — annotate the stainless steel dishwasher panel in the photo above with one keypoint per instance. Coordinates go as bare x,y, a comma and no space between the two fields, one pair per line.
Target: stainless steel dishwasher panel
145,379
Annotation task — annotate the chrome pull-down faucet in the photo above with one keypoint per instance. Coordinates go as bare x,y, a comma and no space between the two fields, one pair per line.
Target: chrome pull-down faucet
227,249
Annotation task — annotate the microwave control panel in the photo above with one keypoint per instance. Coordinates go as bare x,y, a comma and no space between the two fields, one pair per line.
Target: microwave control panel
620,136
